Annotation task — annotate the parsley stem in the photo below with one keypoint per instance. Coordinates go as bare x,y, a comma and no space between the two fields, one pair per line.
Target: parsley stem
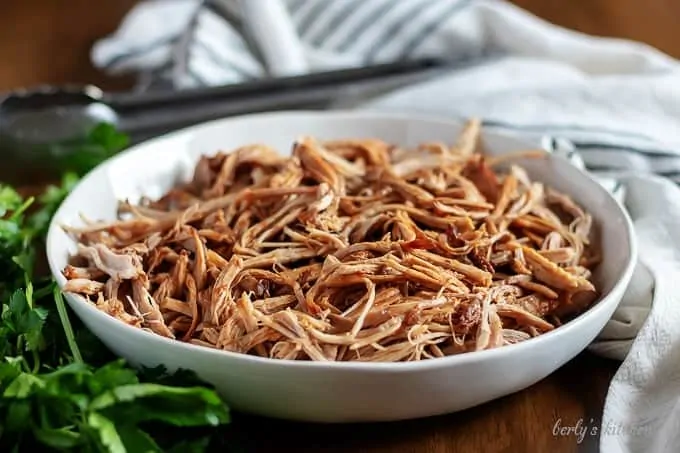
15,215
25,366
66,324
29,291
42,292
36,362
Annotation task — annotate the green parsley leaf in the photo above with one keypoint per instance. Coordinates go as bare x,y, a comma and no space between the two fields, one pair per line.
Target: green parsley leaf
102,142
107,433
193,406
49,202
58,438
23,386
10,200
136,440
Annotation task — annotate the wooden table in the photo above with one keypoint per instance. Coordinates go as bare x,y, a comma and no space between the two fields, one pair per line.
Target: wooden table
522,422
42,41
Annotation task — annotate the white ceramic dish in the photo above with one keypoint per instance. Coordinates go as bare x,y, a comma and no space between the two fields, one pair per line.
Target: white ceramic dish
341,392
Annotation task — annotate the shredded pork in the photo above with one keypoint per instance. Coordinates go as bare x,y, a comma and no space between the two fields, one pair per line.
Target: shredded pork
353,250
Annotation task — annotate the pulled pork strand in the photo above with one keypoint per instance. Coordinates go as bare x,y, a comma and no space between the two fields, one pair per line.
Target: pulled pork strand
349,250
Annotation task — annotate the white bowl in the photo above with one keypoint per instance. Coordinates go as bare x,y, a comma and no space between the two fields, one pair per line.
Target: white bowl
341,392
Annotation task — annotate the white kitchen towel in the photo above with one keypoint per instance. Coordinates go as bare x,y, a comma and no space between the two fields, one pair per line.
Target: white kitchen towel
617,102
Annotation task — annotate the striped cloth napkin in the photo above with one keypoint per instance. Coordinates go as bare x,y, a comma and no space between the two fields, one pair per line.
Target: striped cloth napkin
616,103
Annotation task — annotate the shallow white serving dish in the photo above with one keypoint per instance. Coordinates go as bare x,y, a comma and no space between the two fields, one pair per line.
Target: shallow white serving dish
340,392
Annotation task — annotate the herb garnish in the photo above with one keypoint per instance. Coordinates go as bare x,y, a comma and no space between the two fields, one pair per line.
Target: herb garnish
60,389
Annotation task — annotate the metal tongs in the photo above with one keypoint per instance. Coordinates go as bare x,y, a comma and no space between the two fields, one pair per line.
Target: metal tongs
32,121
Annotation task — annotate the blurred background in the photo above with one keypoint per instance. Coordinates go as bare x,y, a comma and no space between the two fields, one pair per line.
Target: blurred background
48,41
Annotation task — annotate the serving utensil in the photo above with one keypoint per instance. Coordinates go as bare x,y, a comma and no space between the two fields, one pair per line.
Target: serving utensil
40,125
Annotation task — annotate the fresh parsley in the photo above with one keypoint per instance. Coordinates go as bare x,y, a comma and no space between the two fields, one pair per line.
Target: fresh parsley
60,389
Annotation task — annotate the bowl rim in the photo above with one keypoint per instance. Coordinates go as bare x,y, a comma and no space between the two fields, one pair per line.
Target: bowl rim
428,364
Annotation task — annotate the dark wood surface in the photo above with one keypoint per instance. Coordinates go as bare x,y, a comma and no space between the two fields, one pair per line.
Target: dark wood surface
48,41
522,422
